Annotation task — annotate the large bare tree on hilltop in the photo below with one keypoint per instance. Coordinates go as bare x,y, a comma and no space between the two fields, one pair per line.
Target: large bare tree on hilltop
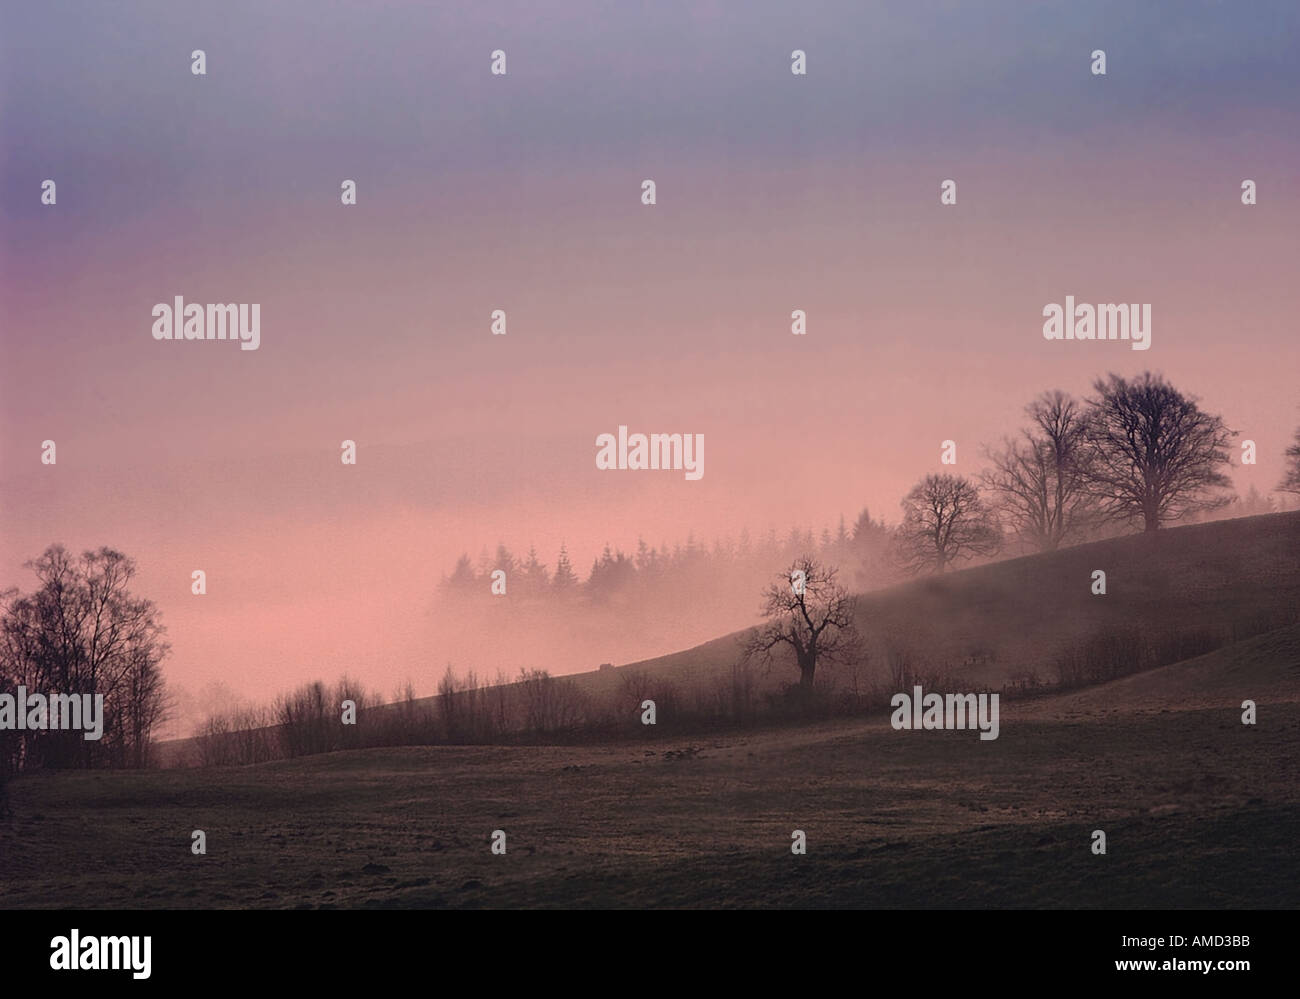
1154,456
1039,480
945,521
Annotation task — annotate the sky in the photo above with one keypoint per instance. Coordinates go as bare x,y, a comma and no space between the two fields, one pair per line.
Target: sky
522,192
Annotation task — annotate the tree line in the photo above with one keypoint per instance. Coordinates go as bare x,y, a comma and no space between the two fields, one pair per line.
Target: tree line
1137,453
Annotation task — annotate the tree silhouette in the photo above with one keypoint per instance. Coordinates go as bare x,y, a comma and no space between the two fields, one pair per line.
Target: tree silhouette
1154,456
505,561
533,575
83,632
809,614
462,578
1291,480
1039,481
565,580
944,521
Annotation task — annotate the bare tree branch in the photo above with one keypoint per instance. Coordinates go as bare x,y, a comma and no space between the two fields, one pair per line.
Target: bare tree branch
810,614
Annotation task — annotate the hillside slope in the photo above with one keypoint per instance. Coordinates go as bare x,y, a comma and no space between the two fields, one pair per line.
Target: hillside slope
1264,669
989,624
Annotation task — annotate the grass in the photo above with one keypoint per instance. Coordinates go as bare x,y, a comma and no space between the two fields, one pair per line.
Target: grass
1197,808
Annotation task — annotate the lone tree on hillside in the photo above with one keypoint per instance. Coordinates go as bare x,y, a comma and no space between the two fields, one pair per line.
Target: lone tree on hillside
1153,454
1039,481
945,521
811,614
1291,481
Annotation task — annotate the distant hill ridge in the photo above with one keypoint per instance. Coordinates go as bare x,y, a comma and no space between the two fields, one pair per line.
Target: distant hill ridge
990,623
1215,585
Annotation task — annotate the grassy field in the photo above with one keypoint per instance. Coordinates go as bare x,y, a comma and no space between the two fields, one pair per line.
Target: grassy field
1198,809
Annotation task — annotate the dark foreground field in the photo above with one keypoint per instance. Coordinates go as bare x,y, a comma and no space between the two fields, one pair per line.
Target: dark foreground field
1198,809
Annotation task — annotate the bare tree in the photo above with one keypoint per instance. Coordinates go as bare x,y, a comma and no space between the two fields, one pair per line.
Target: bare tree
945,521
551,704
1153,454
1039,480
349,689
635,686
1291,480
82,632
11,742
809,614
305,721
213,741
450,707
145,704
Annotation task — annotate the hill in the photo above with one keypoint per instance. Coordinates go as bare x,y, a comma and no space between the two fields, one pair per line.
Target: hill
1169,596
1264,669
989,625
